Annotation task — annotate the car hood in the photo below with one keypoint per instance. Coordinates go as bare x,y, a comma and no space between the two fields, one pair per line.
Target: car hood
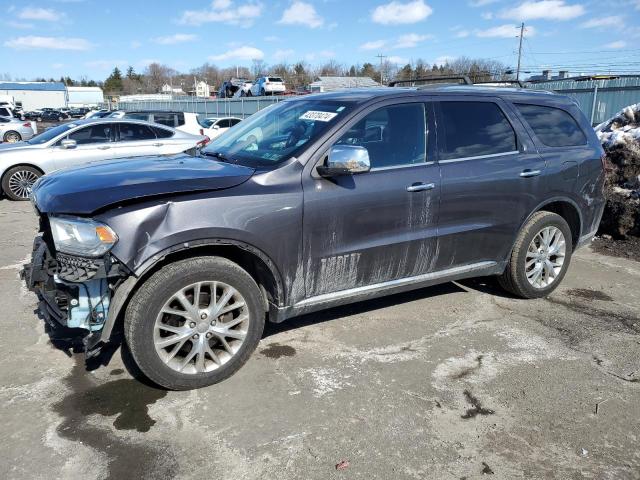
93,187
5,147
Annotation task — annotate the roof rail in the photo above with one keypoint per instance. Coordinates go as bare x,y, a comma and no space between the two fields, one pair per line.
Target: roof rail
520,83
463,79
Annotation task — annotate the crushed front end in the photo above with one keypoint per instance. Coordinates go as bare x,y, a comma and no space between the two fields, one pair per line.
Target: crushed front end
74,290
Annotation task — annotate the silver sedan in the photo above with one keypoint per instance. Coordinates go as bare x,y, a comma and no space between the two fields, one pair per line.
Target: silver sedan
13,130
84,141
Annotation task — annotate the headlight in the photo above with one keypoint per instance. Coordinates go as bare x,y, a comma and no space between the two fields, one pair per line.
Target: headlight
81,236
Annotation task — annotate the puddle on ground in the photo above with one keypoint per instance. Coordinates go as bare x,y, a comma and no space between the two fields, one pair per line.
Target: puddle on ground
129,401
275,350
589,294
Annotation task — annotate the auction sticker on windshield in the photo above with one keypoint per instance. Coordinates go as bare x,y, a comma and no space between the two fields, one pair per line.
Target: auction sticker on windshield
318,116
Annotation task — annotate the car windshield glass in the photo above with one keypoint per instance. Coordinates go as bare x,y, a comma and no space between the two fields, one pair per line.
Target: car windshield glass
51,133
278,132
206,122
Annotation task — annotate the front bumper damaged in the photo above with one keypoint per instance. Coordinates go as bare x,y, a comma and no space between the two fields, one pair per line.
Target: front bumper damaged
74,293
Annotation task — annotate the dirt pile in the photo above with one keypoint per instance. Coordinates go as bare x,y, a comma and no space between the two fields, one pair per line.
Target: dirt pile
620,137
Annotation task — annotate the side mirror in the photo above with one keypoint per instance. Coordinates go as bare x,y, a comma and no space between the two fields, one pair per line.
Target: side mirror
216,127
345,160
67,144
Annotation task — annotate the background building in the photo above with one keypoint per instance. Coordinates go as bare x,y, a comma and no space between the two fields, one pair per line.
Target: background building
329,84
34,95
84,96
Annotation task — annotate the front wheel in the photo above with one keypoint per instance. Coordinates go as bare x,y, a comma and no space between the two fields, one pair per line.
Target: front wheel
12,137
18,181
194,322
540,257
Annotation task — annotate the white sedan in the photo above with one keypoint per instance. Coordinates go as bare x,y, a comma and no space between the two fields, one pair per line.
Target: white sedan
213,127
77,143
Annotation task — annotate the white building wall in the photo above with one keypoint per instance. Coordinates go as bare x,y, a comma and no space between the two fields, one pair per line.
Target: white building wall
35,99
84,96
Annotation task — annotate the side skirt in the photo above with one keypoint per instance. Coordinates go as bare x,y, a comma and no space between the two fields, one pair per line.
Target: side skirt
352,295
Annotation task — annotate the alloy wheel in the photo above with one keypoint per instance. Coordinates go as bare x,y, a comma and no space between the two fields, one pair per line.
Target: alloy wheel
12,137
545,257
201,327
21,182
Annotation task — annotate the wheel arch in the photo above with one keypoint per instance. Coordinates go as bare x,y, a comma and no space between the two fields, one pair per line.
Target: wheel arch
567,209
11,131
3,174
261,268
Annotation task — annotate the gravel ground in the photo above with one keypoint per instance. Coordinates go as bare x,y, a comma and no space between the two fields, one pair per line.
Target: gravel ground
451,382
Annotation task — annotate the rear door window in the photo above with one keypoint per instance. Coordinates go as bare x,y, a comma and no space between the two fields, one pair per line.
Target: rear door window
234,121
393,136
162,132
473,129
131,132
137,116
553,127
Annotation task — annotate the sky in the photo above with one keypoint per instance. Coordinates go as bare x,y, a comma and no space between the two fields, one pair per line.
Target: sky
87,38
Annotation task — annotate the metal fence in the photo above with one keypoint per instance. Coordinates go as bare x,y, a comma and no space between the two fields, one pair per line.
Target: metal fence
598,99
233,107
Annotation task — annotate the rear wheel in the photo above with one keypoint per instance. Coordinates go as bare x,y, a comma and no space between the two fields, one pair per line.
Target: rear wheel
540,257
12,137
194,322
18,181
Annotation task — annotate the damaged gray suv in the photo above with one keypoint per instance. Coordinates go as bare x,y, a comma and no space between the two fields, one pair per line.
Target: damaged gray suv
314,202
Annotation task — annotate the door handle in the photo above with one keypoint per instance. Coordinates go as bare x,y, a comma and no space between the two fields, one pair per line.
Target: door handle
530,173
421,187
157,144
104,147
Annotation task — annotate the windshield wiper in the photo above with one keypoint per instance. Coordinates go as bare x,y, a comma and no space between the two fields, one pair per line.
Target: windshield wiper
219,155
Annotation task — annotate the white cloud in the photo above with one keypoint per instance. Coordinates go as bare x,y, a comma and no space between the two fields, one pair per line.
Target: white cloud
487,15
462,33
224,11
373,45
271,38
283,54
20,25
135,44
176,38
43,14
544,10
240,53
51,43
503,31
481,3
396,13
410,40
616,45
301,13
600,22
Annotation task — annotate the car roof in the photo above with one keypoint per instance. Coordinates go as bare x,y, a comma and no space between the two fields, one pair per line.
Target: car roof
363,95
91,121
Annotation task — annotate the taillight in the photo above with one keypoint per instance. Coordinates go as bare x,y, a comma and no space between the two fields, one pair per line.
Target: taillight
28,124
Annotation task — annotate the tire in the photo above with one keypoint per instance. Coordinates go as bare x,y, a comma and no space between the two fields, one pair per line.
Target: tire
262,92
12,137
519,277
17,182
143,316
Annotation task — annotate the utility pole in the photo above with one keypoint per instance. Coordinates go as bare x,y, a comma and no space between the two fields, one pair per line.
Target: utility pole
520,50
381,57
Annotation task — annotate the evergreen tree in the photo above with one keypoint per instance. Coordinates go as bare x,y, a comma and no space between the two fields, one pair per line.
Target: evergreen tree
113,83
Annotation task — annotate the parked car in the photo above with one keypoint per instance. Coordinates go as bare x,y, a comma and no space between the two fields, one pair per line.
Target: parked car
14,130
79,112
84,141
183,121
311,203
230,87
51,116
6,112
244,89
213,127
268,86
98,114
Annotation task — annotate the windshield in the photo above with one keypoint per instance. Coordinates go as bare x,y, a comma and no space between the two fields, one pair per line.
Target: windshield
278,132
206,122
51,133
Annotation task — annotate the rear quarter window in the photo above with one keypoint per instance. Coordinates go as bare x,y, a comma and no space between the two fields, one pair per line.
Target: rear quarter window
162,132
553,127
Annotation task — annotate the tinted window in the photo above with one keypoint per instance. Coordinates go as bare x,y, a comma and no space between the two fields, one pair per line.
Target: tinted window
393,135
180,117
275,79
137,116
234,121
223,123
162,132
552,126
94,134
471,129
168,119
132,131
51,133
